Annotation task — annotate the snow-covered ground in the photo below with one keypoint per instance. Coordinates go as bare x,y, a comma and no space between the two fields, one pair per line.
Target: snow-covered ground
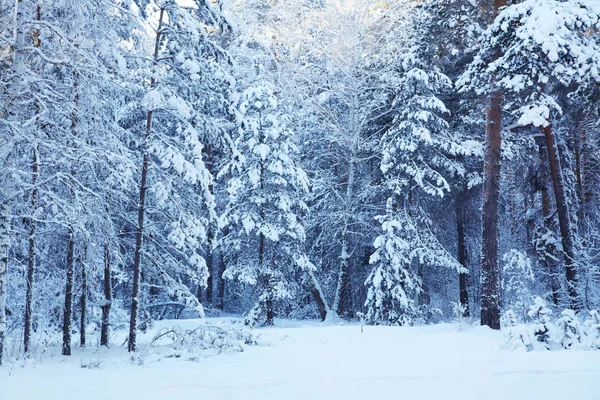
307,361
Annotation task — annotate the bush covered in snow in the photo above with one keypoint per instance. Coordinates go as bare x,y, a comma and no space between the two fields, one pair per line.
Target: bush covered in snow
566,332
206,340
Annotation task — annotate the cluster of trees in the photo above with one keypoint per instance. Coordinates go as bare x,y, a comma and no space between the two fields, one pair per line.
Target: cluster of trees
160,158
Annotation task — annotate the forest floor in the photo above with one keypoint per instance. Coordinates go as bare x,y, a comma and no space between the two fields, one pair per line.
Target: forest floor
296,360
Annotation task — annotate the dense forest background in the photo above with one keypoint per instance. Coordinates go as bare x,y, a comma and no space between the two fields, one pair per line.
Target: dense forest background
394,161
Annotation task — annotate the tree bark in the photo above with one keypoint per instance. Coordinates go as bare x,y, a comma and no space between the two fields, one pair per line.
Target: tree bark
106,306
490,271
68,310
4,246
137,260
462,253
564,217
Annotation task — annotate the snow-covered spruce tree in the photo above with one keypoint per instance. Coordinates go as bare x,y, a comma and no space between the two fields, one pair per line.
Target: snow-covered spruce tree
540,315
517,281
393,286
592,326
265,240
419,153
569,333
532,52
184,97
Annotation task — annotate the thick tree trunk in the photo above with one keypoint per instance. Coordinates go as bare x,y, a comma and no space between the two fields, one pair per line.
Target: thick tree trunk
343,285
106,306
83,301
341,300
462,253
31,256
490,271
319,297
139,234
68,310
4,246
564,218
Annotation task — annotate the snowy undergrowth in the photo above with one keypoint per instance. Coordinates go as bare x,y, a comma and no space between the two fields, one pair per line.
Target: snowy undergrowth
543,332
188,340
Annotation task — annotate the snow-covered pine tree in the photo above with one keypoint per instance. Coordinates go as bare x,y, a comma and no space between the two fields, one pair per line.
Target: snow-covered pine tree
592,326
517,281
265,240
393,286
419,152
540,315
569,330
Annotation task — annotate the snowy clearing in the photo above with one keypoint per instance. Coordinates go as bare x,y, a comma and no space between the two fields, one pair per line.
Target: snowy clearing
307,361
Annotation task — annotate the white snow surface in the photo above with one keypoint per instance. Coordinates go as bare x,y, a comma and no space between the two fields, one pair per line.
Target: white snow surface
297,360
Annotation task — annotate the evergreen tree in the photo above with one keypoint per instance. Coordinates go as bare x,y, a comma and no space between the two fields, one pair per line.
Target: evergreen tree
265,243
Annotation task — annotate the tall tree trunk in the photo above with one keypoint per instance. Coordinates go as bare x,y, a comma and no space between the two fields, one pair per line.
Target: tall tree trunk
34,195
342,292
31,256
107,304
490,270
68,310
548,264
4,246
83,301
462,253
139,234
564,219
